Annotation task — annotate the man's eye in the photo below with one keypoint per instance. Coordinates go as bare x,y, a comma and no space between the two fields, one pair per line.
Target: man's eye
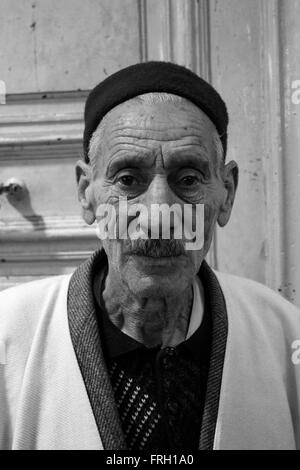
189,180
127,180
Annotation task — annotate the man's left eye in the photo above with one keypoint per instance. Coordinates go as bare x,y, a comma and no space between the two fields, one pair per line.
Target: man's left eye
189,180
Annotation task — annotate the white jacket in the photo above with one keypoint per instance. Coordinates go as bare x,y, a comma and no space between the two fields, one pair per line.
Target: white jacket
43,399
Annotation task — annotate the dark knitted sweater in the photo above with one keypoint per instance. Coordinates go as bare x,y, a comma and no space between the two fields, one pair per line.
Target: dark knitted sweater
163,383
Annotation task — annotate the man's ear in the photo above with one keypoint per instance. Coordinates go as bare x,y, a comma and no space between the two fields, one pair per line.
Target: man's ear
84,179
230,179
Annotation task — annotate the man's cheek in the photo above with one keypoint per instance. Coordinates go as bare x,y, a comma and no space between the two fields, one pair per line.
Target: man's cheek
210,217
105,192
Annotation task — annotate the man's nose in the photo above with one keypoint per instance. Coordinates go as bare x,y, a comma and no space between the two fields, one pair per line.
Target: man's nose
158,193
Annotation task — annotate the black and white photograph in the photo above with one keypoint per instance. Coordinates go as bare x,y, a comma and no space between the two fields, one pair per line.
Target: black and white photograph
149,227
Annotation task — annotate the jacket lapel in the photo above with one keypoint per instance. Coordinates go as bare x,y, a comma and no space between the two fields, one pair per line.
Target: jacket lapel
87,345
216,304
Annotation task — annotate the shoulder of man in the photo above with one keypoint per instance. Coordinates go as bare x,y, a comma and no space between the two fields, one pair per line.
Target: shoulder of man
27,315
22,306
251,297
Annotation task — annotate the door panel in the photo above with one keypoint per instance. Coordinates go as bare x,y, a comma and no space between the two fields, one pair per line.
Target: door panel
56,51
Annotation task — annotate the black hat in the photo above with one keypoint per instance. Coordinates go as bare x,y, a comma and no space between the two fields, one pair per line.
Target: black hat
150,77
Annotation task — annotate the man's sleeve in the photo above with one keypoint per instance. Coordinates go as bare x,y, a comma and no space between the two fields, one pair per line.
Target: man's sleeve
14,346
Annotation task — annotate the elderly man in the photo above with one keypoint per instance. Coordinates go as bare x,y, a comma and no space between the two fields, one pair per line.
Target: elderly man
144,346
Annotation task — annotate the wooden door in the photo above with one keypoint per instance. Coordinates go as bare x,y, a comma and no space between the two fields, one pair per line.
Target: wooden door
56,50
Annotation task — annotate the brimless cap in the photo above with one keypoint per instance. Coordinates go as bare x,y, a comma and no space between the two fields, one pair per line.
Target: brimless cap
150,77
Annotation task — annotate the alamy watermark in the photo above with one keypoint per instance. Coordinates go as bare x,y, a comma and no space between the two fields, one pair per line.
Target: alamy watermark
161,221
296,92
296,354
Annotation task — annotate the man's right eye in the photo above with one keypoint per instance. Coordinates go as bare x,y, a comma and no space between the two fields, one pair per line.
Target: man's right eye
127,180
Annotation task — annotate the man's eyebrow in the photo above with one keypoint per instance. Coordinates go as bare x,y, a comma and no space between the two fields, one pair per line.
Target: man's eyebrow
195,147
138,159
188,155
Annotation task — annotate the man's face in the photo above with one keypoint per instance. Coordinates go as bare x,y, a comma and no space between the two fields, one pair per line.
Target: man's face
158,154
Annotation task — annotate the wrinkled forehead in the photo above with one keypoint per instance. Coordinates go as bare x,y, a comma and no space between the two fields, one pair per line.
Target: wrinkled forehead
160,120
150,127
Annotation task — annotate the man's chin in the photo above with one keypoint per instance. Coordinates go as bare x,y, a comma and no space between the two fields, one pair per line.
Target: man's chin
154,287
158,276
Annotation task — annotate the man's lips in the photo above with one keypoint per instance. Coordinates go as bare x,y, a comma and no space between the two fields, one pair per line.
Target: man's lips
156,263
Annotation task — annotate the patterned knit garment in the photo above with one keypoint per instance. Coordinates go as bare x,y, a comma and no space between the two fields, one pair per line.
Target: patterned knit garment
160,398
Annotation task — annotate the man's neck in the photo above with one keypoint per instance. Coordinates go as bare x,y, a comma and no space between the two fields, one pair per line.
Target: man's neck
152,321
